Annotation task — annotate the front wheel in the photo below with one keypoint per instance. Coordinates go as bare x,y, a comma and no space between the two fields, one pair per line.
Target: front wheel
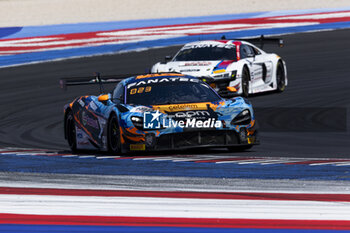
245,82
71,131
114,144
280,77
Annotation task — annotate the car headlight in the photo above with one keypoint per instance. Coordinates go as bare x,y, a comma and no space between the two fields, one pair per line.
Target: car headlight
244,118
137,121
225,75
233,75
228,75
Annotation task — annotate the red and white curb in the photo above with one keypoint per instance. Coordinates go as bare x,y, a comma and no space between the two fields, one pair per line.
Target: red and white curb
205,158
191,209
134,35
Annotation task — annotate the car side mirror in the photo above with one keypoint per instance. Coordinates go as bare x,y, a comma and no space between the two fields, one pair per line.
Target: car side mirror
167,59
231,92
231,89
103,98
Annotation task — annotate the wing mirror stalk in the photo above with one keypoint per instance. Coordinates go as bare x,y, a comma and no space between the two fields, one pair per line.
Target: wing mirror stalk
231,92
167,59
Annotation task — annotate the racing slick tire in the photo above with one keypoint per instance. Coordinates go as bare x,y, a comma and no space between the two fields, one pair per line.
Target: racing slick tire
280,77
113,135
71,131
245,82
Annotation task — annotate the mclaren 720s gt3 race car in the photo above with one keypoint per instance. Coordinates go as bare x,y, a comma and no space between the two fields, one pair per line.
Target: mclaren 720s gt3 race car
151,112
235,63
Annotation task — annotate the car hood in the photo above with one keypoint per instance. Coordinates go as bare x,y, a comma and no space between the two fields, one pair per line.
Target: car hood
198,68
224,109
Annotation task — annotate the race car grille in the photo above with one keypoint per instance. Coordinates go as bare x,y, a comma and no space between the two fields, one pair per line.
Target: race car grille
197,138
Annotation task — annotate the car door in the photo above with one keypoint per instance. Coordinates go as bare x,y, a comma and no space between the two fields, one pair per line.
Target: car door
262,68
253,62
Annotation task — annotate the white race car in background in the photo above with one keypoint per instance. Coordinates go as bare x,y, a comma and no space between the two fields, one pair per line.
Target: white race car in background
230,63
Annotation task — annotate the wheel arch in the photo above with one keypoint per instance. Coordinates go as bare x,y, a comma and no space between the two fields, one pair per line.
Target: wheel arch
283,64
115,113
280,62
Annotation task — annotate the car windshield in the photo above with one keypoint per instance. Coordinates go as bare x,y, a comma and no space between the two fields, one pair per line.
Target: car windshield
207,53
170,93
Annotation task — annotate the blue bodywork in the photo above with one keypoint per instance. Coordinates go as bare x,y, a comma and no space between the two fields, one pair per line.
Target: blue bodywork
92,114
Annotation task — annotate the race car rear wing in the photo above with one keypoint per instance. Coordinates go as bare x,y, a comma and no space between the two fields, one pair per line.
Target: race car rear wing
262,40
77,81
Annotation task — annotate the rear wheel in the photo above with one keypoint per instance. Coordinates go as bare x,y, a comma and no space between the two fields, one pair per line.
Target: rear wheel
280,77
114,144
245,82
71,131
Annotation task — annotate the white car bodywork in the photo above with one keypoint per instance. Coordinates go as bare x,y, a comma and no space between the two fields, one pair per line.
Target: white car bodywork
262,66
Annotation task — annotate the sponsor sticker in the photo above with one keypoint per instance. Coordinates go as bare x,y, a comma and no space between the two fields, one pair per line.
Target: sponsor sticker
190,70
189,119
199,63
81,103
137,147
157,75
197,46
87,120
162,80
182,107
93,106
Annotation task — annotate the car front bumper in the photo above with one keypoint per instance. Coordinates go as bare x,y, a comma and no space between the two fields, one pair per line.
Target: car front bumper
193,139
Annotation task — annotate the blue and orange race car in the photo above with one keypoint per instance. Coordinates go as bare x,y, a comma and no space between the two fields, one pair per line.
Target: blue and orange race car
153,112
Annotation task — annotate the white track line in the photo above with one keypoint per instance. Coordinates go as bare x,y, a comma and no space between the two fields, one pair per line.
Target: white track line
173,207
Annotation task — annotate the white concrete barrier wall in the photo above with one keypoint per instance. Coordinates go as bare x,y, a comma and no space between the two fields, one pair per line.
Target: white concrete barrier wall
43,12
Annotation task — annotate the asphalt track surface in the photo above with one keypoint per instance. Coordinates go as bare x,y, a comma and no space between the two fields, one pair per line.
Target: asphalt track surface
31,105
